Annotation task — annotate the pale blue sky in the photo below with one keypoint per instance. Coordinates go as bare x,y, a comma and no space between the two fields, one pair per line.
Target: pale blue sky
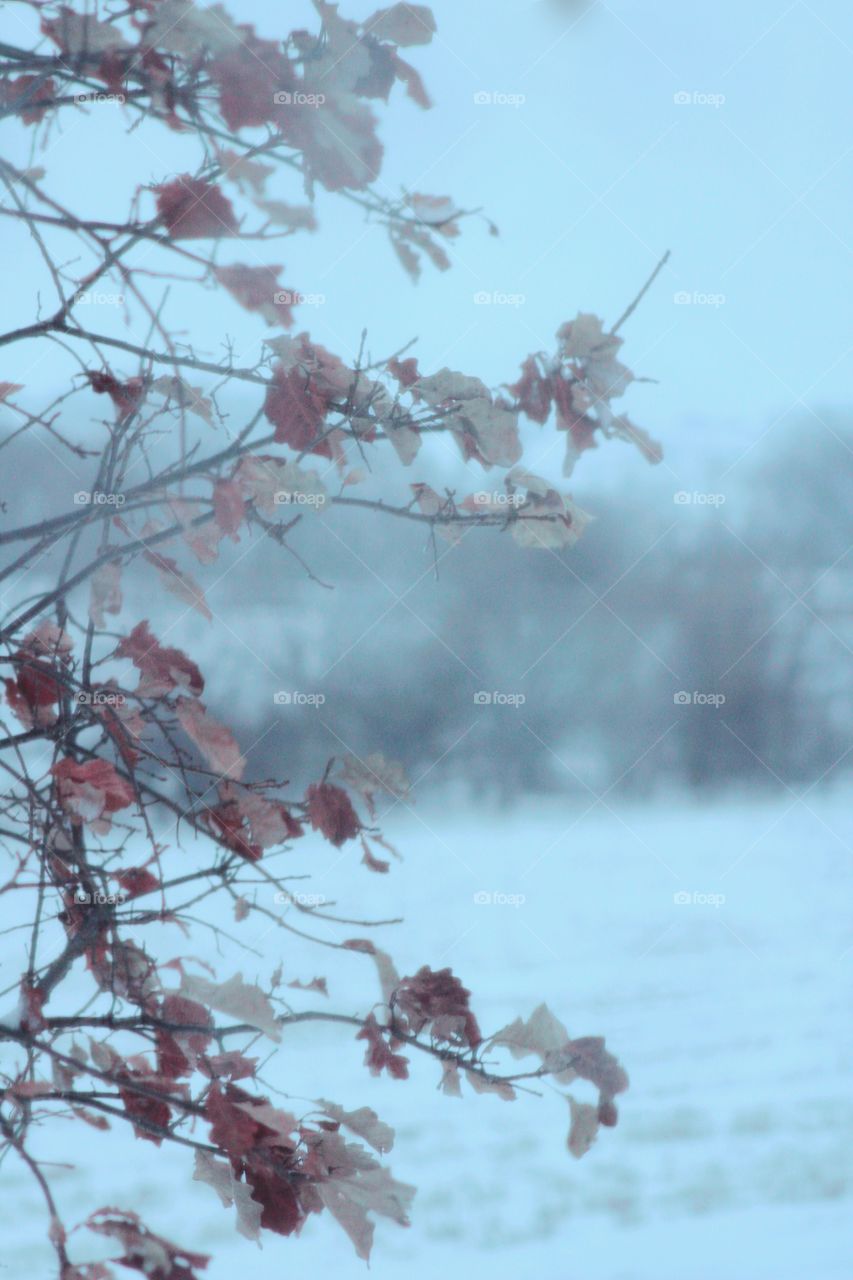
590,178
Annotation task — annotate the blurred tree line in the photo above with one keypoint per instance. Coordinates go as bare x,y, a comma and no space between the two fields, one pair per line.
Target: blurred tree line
582,654
748,601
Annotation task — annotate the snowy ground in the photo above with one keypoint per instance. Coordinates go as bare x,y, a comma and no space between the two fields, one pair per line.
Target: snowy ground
733,1159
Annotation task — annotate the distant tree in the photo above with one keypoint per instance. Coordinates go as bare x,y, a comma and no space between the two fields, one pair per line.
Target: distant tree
108,752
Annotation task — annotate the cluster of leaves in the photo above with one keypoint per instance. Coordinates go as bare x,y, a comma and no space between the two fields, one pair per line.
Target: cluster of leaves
105,732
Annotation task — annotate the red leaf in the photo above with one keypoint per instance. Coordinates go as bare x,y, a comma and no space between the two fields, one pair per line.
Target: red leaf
214,741
136,881
584,1127
378,1056
39,661
249,77
296,410
178,583
405,371
161,669
580,427
193,209
232,1064
142,1107
179,1009
533,391
282,1211
337,138
316,984
37,684
360,944
229,507
378,80
330,811
438,998
155,1257
592,1061
82,37
403,24
651,449
607,1112
248,823
258,289
25,94
126,396
178,1051
372,863
92,791
411,78
228,825
32,1000
232,1128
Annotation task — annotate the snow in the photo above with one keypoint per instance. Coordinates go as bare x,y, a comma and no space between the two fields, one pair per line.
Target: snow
733,1157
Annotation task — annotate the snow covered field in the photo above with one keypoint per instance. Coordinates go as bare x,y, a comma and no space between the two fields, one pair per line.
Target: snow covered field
733,1159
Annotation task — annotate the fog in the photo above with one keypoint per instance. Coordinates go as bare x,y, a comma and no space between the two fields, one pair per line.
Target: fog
631,758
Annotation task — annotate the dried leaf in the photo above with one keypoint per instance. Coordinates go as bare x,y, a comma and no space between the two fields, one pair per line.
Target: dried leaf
219,1175
240,1000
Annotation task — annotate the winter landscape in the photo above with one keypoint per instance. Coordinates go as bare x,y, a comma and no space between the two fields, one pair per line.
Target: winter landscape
426,640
